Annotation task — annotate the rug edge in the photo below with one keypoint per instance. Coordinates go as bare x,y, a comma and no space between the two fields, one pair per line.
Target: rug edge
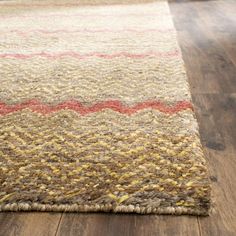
109,208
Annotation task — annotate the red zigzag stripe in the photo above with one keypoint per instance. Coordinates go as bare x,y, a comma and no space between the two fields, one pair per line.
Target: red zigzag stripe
94,54
117,106
40,5
84,15
64,31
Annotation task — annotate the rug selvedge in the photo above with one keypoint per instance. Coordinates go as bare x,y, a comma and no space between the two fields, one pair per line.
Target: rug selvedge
96,119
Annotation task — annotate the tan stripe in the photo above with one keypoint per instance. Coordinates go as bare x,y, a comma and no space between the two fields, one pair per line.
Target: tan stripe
150,121
128,80
86,43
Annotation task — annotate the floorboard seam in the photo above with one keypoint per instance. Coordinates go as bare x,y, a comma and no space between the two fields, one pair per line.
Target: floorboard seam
199,226
59,222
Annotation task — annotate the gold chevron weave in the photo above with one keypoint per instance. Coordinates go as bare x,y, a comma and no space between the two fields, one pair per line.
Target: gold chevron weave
95,111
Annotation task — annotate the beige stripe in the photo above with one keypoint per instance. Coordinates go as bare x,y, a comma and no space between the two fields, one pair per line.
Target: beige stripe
160,21
91,80
85,43
149,121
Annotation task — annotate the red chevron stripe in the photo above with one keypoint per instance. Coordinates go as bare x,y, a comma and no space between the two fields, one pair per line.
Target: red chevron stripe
85,15
37,106
94,54
40,5
64,31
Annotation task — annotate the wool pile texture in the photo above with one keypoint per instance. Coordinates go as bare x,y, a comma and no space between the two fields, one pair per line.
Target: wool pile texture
96,112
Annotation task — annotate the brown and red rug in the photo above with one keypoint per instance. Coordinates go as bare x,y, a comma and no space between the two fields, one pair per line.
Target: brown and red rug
96,112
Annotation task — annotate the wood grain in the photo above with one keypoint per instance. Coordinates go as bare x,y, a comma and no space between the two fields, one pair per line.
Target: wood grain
207,36
210,63
28,224
221,161
126,225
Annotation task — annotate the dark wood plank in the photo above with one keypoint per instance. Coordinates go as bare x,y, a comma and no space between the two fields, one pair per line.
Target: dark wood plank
28,224
222,163
210,63
127,225
219,25
95,224
209,67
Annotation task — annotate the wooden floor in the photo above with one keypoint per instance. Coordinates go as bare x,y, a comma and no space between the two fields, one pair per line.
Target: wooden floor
207,35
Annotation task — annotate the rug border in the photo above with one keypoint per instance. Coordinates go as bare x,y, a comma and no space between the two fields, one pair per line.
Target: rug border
108,208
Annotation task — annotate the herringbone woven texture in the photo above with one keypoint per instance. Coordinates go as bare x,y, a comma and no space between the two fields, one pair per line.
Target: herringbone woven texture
95,111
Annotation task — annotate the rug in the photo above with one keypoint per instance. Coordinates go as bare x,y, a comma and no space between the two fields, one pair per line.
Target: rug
96,112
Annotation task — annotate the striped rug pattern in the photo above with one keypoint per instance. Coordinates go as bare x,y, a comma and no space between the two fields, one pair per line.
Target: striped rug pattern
96,112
